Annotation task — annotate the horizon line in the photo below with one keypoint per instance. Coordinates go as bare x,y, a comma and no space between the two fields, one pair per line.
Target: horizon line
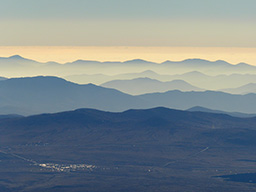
175,61
64,54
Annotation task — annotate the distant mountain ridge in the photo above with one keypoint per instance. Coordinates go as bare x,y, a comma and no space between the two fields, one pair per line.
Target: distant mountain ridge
17,60
146,85
198,79
34,95
208,99
134,61
2,78
245,89
51,94
234,114
26,67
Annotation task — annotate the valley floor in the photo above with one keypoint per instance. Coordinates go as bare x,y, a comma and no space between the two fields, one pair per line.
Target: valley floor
126,168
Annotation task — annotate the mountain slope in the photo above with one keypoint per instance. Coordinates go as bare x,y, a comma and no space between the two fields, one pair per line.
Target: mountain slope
171,67
219,82
160,148
101,78
25,67
234,114
52,94
132,126
202,63
147,85
16,61
245,89
208,99
35,95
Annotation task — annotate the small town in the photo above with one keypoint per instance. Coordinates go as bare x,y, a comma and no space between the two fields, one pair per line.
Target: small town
67,168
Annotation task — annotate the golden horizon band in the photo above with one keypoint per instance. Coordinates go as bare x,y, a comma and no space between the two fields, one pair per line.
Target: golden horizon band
63,54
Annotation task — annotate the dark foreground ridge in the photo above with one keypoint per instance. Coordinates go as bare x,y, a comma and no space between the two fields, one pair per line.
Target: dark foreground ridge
157,149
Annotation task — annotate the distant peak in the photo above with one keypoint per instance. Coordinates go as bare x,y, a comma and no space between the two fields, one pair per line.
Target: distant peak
148,72
243,64
195,60
169,62
16,57
179,81
145,78
43,78
194,72
190,60
222,61
197,108
137,61
85,61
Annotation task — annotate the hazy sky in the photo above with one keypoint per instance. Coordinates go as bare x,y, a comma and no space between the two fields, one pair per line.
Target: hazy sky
210,23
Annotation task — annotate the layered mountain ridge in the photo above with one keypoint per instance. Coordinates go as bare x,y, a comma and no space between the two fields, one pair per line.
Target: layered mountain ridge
34,95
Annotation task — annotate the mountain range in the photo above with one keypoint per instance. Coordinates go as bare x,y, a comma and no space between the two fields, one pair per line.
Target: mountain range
146,85
207,82
2,78
131,126
208,99
19,66
160,131
51,94
234,114
101,78
34,95
245,89
160,148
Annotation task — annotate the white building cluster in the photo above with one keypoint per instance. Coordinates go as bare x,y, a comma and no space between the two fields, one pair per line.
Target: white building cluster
67,168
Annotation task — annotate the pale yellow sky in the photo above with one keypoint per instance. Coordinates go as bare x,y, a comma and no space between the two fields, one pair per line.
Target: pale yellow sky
155,54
